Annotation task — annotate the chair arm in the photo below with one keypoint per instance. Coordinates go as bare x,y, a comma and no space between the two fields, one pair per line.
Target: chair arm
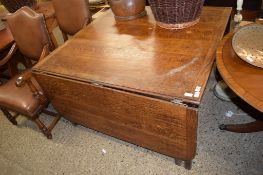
26,79
9,55
22,80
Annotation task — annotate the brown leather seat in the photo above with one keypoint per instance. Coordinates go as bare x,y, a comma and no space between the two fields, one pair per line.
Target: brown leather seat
72,15
22,94
25,103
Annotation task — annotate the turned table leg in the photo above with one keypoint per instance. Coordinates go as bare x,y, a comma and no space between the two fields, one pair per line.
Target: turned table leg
243,128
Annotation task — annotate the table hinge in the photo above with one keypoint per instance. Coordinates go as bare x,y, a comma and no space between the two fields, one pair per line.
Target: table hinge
96,84
177,101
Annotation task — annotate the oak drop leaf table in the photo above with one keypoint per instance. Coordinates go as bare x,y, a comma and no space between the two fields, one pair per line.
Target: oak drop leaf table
135,81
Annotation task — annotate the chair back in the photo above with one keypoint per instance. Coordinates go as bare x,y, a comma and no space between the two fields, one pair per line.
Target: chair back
72,15
29,31
14,5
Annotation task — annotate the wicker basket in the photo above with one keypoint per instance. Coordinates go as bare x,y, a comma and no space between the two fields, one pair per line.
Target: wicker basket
14,5
176,14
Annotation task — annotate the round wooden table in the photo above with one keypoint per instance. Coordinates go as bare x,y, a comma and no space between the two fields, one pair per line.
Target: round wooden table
244,79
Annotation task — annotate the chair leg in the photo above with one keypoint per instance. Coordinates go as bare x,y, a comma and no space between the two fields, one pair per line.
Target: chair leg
45,111
42,127
54,122
47,130
9,116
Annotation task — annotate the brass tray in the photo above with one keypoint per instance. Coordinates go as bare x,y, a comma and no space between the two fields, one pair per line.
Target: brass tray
248,44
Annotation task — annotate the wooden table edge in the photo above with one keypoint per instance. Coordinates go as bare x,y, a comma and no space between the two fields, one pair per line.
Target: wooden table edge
227,11
250,99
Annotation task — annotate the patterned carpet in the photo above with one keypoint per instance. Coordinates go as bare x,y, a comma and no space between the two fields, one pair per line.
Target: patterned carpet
78,150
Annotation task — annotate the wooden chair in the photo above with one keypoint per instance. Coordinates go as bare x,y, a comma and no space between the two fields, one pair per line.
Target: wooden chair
22,94
14,5
98,4
45,7
72,15
8,65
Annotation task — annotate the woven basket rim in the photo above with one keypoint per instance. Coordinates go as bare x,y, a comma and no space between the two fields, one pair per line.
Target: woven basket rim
177,26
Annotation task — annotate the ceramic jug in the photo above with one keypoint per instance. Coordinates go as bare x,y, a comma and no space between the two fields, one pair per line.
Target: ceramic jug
128,9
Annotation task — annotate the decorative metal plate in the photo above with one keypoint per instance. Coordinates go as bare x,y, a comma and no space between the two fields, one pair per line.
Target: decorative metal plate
248,44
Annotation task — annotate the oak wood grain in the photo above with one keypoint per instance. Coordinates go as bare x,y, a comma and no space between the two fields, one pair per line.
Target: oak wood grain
119,77
158,125
141,57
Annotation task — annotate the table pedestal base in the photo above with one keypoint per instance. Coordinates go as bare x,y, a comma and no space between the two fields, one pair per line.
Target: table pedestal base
223,92
255,126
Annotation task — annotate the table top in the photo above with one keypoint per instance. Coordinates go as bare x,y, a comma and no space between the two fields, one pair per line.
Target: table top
244,79
141,57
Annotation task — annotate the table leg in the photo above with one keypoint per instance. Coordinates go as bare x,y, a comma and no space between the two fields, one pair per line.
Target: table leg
243,128
186,163
178,162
